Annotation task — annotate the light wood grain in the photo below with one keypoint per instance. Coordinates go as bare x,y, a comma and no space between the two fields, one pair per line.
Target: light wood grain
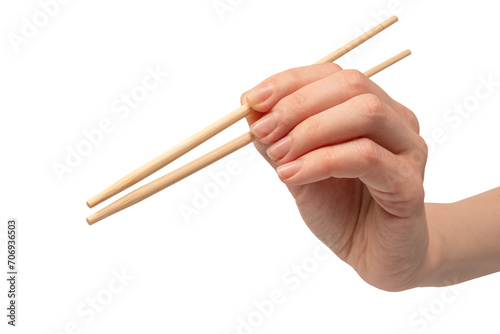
358,41
387,63
171,178
165,181
220,125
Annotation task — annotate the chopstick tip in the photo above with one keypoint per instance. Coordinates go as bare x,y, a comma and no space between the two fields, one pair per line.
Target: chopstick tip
91,220
94,201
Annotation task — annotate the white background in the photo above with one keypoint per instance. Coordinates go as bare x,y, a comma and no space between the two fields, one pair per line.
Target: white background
204,273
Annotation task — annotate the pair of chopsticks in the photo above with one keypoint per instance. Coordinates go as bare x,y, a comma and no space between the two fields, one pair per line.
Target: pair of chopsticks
202,136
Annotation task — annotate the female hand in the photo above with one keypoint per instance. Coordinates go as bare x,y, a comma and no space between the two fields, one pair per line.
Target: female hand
353,160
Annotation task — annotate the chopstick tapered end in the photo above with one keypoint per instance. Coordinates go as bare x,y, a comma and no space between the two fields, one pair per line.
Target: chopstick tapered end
95,200
92,219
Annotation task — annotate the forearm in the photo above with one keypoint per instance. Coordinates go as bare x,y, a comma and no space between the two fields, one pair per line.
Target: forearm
464,240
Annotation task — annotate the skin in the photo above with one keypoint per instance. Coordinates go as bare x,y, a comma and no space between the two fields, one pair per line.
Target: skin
354,161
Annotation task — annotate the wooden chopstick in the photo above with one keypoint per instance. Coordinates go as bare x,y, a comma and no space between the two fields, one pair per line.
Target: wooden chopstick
358,41
171,178
387,63
167,180
210,131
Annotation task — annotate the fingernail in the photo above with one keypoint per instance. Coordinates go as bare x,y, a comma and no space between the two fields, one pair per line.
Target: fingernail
264,126
260,93
280,149
290,169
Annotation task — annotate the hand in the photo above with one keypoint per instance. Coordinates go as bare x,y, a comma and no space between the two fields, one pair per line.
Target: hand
353,160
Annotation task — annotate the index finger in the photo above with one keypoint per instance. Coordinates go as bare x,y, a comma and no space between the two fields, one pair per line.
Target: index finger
266,94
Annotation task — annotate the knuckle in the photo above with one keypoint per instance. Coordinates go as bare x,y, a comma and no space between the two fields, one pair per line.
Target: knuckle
410,118
291,75
413,121
422,146
290,109
314,128
282,80
419,155
369,151
310,128
354,80
329,159
373,107
298,102
331,68
275,81
284,123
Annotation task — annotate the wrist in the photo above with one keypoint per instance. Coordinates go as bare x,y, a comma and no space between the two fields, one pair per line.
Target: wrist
430,272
